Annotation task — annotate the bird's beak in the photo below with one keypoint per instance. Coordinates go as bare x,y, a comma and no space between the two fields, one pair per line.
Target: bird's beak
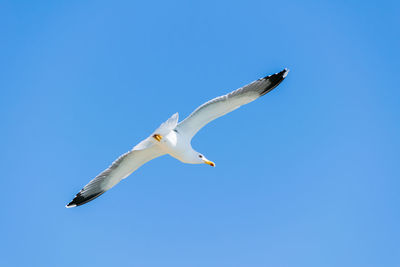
212,164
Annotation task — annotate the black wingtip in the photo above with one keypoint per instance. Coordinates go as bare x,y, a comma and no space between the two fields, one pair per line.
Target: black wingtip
274,80
79,199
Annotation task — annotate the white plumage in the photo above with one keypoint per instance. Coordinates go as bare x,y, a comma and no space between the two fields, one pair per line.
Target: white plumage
175,139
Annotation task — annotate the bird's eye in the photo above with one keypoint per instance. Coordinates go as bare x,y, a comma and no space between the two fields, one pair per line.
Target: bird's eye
200,156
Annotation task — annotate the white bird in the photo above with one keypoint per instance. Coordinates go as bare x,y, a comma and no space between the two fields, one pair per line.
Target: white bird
174,138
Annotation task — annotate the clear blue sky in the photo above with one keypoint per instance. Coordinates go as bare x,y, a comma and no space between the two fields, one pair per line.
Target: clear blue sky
307,176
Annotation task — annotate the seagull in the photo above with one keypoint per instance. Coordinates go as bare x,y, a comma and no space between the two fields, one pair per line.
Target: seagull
174,138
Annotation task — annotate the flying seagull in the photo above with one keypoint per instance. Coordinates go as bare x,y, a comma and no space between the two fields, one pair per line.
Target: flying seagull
174,138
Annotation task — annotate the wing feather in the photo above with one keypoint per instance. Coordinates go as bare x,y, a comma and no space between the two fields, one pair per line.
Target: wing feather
119,169
222,105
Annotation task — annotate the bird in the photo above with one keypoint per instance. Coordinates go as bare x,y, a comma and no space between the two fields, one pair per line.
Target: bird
174,138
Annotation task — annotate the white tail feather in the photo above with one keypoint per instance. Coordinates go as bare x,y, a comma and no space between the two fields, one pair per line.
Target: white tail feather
163,130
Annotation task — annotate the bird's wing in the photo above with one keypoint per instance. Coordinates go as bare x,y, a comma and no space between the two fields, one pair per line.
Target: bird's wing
119,169
221,105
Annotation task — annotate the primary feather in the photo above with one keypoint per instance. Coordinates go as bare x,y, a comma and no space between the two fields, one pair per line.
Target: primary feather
119,169
222,105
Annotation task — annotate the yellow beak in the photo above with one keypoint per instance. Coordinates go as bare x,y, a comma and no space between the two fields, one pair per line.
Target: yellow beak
212,164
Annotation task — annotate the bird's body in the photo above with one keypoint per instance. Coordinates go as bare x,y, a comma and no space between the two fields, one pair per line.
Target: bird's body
177,146
175,139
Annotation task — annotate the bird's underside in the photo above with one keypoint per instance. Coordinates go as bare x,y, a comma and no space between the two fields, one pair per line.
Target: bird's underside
174,139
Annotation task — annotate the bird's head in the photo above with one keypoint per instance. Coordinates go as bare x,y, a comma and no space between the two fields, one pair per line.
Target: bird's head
202,159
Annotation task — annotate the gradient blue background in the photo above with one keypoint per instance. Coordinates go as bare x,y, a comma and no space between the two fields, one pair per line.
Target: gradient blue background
306,176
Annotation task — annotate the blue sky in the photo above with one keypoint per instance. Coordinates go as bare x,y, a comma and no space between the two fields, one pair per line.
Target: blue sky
306,176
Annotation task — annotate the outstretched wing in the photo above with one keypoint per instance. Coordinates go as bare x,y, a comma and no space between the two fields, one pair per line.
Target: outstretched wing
221,105
119,169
